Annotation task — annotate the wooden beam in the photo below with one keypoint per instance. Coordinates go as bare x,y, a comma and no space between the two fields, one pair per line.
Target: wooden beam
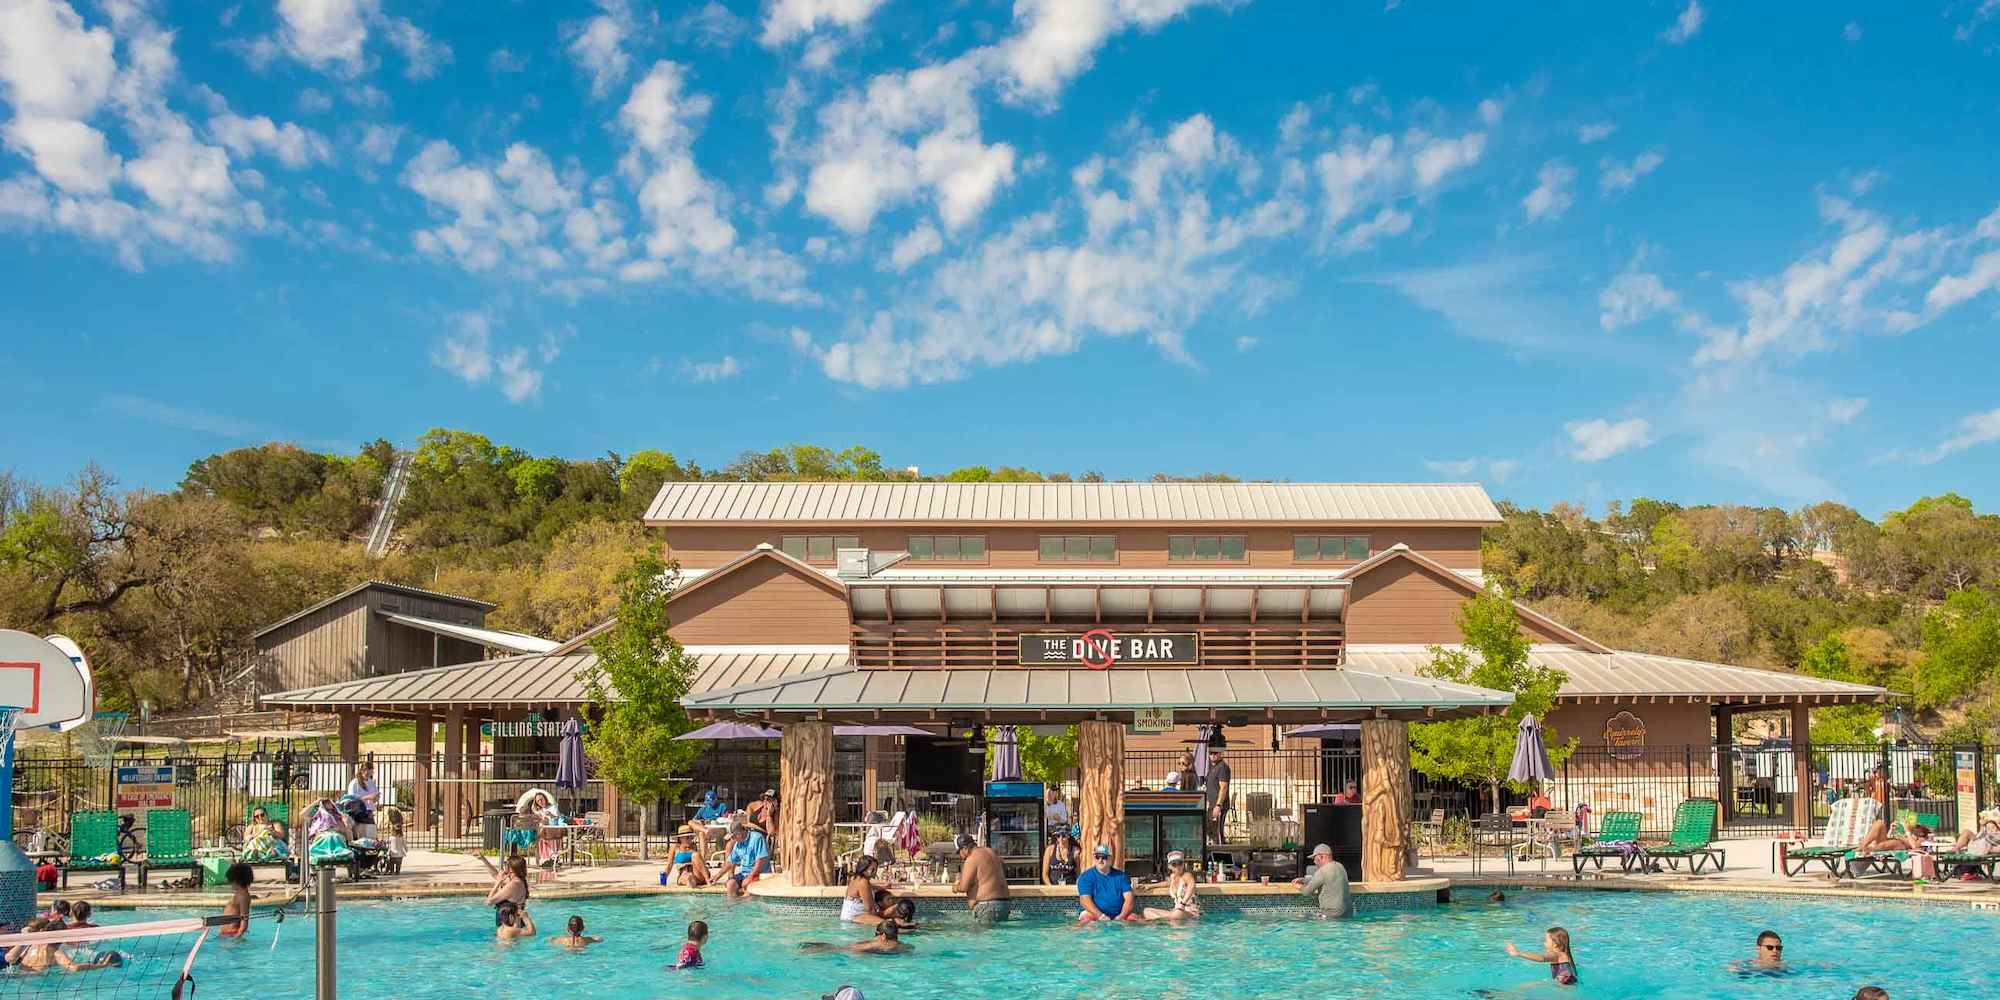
943,615
1254,592
993,598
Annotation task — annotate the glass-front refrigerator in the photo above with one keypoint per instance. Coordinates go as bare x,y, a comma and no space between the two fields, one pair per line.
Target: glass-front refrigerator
1158,824
1014,827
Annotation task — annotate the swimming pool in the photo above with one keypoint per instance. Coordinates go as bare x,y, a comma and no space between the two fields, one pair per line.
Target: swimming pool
1655,946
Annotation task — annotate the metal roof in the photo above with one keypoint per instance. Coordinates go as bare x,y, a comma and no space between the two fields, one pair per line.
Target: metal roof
1620,674
470,602
853,691
513,642
542,679
1071,503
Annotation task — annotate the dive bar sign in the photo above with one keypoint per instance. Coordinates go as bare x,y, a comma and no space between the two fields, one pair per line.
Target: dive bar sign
1100,648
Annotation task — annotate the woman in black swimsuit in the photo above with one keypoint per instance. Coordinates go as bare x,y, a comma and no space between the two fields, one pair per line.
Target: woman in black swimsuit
1555,954
1059,861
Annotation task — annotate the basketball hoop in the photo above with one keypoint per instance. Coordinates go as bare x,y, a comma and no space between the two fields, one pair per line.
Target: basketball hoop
98,741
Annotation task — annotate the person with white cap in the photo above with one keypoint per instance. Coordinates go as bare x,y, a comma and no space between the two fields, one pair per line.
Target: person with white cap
1104,892
1180,889
843,993
1327,884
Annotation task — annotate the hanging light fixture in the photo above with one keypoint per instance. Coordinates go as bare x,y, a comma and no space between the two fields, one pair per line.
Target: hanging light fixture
978,744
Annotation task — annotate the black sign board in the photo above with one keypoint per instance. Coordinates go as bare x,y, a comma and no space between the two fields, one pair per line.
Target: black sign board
1100,648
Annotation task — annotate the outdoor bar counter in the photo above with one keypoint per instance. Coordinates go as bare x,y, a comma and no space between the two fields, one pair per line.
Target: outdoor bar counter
1216,897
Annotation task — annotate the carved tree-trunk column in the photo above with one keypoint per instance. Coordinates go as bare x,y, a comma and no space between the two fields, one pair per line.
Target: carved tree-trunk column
805,803
1385,799
1100,764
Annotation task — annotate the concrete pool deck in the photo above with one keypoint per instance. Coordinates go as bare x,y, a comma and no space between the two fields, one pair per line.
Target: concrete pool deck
1747,869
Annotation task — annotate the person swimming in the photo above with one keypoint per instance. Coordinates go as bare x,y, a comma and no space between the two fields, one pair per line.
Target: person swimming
514,921
1555,953
885,942
573,937
690,956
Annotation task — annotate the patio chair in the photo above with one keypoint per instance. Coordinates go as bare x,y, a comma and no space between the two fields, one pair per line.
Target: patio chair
169,843
1692,839
1846,823
1430,832
1857,864
1548,838
1617,837
93,845
1494,830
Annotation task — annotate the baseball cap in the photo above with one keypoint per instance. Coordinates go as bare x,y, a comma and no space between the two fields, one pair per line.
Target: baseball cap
1322,849
965,842
1176,858
770,793
1102,851
843,993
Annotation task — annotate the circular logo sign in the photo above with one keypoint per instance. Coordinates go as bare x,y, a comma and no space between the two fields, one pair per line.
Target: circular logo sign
1098,648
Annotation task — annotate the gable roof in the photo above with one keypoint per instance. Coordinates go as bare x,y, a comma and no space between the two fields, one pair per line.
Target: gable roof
1621,675
394,588
685,503
764,550
1458,580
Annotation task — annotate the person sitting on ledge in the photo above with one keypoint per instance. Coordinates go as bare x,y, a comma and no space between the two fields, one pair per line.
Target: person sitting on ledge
1104,892
1180,889
1328,884
750,853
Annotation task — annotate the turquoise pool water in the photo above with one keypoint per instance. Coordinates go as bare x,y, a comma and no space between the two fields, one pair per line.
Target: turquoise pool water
1628,945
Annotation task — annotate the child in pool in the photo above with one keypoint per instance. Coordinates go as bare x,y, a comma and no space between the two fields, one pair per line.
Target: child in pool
690,957
574,939
1555,954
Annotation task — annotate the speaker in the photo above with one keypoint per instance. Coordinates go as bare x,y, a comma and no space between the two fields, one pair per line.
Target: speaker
1338,827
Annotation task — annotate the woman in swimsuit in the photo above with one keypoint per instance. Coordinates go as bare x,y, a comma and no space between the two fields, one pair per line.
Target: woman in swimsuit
1180,889
1555,954
857,906
687,869
1060,860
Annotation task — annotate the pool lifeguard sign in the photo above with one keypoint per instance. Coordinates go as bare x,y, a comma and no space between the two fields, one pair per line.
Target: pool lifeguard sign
1100,648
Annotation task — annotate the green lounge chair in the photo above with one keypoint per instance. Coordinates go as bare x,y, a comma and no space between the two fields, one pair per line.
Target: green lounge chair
1693,837
1857,864
1617,837
169,843
1846,824
93,838
1984,863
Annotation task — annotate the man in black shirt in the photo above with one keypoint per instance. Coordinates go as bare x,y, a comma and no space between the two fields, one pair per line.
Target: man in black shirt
1217,797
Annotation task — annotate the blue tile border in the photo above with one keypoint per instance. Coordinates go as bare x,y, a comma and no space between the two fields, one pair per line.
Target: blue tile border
933,906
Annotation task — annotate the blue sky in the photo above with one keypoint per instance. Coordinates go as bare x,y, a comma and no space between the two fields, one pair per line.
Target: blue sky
1578,251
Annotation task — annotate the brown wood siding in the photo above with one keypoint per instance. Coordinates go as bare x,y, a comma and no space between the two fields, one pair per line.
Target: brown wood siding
324,647
1401,602
1458,547
1678,724
765,601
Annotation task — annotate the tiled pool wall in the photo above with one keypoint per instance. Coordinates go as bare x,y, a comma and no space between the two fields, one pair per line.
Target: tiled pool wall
927,906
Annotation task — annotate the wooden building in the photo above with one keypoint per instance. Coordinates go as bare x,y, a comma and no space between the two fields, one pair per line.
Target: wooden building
374,629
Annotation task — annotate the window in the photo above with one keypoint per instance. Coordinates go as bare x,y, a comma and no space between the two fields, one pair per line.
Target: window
817,548
1329,548
1205,548
947,548
1079,548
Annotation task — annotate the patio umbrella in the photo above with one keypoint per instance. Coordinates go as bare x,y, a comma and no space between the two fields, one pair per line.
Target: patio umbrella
1531,758
1006,755
731,731
569,759
1204,734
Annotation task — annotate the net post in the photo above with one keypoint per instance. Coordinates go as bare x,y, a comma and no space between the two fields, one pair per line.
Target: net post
17,871
324,955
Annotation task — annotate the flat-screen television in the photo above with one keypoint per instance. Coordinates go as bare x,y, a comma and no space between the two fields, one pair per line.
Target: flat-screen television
942,764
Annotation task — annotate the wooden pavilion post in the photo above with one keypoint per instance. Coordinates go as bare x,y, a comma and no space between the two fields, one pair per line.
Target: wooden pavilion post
350,737
1385,799
454,771
420,775
1725,762
469,789
805,803
1802,768
1100,765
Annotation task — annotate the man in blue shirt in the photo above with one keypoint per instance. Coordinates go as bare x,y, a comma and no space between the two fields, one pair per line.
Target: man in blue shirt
711,807
749,854
1105,892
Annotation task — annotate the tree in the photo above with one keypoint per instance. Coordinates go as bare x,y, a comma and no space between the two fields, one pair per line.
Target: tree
1494,656
1831,659
636,687
1961,648
1046,759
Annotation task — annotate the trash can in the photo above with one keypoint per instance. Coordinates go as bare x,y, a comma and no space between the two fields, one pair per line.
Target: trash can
491,828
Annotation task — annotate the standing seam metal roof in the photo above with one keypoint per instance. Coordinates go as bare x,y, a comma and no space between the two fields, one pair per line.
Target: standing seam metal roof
1627,674
1070,503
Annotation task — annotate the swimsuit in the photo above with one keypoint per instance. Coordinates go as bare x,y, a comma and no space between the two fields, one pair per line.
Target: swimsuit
1184,901
1563,972
852,907
1062,869
690,957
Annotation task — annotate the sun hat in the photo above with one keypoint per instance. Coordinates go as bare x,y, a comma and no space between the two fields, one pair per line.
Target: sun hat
1102,851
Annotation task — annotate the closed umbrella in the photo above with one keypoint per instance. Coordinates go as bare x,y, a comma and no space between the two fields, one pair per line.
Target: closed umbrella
1204,734
1006,755
569,759
1531,757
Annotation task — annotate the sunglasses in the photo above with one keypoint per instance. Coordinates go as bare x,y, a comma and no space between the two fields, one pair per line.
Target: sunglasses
1772,947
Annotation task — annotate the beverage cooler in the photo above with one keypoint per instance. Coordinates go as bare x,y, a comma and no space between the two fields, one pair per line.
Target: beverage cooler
1159,823
1013,822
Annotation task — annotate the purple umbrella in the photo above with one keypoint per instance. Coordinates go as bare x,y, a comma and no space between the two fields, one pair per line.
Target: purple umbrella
1531,756
570,771
731,731
1006,755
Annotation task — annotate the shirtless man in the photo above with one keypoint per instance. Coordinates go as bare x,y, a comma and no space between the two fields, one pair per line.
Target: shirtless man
239,876
983,881
40,957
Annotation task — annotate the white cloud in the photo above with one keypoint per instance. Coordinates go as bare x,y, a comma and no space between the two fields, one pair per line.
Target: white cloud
423,56
313,101
725,367
1246,344
1843,411
1633,296
68,153
1983,276
293,146
915,245
785,20
325,33
503,214
1056,40
1437,158
1595,132
1366,180
1852,32
1597,440
1619,177
378,142
711,24
1686,25
1973,430
1551,196
598,46
467,352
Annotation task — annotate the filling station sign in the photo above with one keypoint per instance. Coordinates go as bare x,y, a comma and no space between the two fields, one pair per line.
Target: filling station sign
1100,648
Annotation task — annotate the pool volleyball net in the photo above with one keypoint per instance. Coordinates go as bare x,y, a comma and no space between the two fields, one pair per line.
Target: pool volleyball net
152,959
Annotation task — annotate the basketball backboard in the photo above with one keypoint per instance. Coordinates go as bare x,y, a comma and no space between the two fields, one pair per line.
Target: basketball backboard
50,686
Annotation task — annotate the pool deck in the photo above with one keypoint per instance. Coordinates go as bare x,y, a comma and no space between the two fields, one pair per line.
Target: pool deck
1748,870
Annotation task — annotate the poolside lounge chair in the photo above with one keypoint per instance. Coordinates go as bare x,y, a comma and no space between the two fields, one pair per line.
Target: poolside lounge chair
169,843
1859,864
1617,837
93,845
1846,823
1692,839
